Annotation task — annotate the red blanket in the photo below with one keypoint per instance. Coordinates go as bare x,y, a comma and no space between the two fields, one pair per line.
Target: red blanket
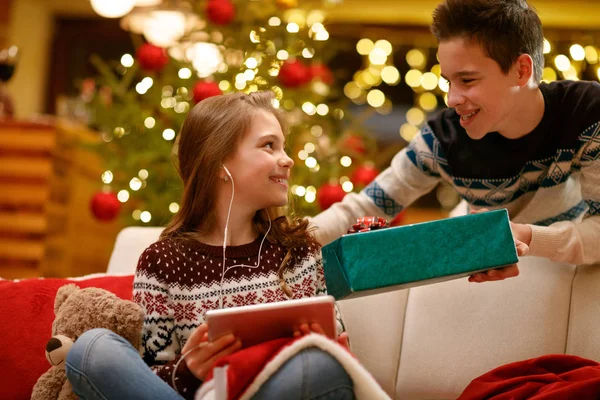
551,377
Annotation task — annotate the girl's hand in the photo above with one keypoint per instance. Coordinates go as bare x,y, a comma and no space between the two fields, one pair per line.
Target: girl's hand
343,341
200,360
305,329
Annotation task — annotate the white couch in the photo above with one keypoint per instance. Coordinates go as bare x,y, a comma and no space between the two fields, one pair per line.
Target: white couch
430,342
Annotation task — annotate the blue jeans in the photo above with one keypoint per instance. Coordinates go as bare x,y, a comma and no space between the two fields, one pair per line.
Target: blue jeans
101,365
310,375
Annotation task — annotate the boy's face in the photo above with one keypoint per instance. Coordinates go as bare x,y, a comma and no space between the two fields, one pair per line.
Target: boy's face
479,91
260,165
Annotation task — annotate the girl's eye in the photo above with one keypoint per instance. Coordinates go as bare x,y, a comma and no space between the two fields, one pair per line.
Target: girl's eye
468,80
269,144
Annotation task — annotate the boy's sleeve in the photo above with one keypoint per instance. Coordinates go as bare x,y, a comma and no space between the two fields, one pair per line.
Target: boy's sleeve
576,242
414,171
160,346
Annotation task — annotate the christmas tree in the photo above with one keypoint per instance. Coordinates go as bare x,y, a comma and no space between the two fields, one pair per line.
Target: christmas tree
244,46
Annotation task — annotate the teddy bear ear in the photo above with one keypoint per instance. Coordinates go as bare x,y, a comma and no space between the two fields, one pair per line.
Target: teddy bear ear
62,294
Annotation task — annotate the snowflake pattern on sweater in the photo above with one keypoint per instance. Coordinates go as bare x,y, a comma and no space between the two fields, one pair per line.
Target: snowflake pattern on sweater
177,281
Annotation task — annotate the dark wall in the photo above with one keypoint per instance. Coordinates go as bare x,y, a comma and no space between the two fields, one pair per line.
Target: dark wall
75,40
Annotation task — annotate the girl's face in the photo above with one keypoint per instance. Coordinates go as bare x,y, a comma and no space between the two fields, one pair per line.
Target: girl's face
260,166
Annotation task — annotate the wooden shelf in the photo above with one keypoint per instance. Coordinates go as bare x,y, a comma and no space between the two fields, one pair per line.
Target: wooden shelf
46,182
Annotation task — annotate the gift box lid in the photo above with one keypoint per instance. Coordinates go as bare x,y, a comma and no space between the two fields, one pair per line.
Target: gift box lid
376,261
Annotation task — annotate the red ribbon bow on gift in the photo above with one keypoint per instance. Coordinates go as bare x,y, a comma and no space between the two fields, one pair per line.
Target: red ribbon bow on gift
365,224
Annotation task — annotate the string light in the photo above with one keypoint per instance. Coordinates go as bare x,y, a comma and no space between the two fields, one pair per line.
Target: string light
123,196
364,46
107,177
562,62
127,60
135,184
547,46
346,161
168,134
145,216
292,27
149,122
347,186
311,162
185,73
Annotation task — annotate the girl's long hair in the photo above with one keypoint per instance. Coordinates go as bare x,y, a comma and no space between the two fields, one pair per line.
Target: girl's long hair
210,133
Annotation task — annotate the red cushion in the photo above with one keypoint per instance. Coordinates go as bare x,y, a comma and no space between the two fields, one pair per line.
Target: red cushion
26,316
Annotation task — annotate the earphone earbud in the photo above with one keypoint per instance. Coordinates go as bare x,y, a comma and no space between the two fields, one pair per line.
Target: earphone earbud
228,173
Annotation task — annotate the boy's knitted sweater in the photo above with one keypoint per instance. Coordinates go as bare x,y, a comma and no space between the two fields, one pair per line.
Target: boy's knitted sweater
176,282
549,178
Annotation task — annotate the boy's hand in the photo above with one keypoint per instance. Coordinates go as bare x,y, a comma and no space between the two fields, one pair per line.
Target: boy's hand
201,360
522,237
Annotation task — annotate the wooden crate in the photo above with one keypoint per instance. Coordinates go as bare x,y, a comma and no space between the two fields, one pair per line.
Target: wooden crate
46,182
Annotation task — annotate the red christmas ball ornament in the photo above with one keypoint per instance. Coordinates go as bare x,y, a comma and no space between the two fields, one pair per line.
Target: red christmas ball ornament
294,74
321,72
364,174
329,194
354,143
151,57
203,90
220,12
105,206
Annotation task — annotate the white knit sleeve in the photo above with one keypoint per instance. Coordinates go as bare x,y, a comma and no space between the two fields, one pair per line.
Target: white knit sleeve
414,171
576,242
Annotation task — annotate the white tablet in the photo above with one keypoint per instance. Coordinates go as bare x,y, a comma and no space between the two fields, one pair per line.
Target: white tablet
262,322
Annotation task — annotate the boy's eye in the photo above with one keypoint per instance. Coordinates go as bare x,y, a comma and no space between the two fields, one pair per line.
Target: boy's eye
468,80
269,144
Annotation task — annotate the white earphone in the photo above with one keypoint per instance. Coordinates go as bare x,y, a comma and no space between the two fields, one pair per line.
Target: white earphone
225,240
174,384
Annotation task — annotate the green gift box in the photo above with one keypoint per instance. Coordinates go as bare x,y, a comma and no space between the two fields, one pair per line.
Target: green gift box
378,261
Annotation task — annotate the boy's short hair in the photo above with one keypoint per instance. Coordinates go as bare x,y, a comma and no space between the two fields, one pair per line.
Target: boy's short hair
504,29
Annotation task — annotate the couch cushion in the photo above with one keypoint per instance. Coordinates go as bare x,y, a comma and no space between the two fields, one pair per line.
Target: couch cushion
26,316
129,246
584,329
375,325
455,331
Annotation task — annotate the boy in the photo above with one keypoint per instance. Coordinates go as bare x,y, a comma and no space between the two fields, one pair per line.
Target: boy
506,140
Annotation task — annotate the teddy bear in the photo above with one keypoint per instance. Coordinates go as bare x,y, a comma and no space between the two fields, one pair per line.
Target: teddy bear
76,311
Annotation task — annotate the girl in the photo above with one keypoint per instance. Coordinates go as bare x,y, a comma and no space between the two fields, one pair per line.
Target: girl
226,247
